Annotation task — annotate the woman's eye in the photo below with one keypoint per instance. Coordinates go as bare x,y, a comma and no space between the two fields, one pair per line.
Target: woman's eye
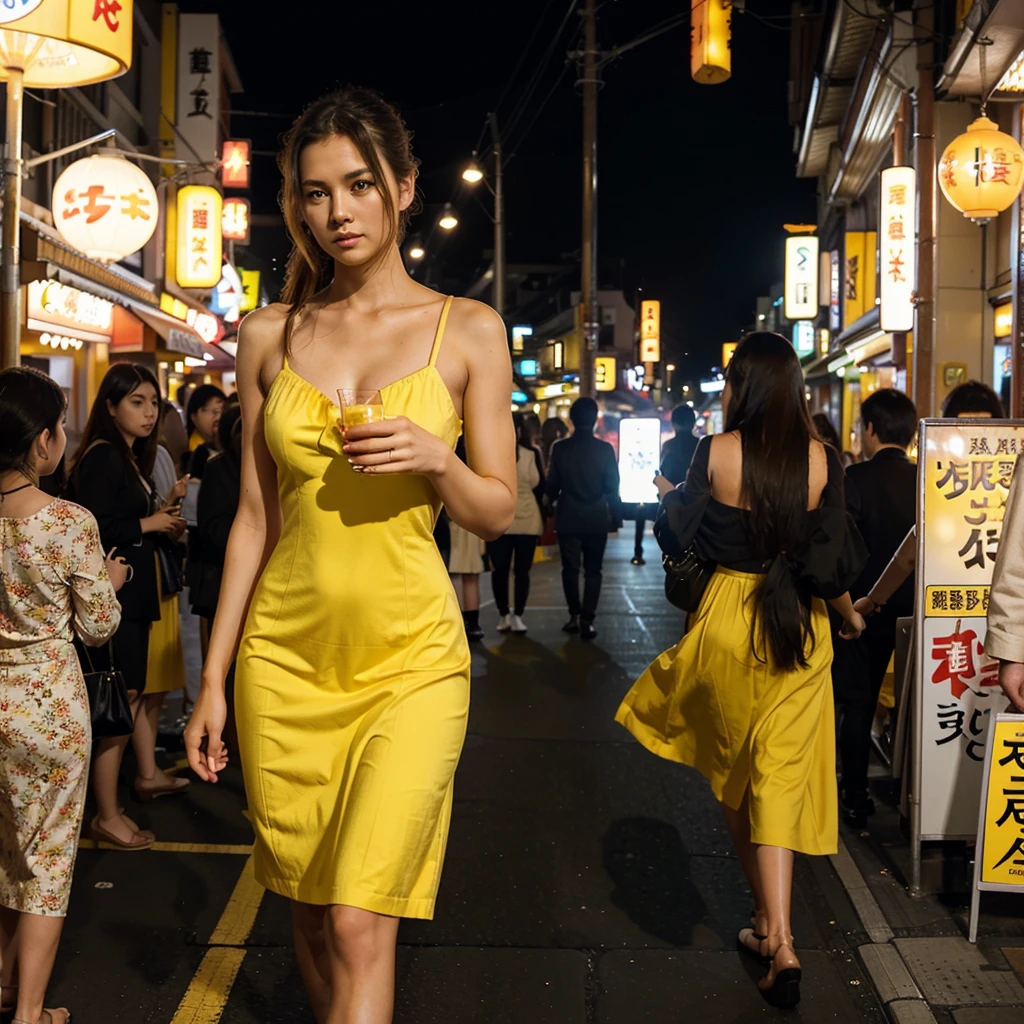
315,193
358,186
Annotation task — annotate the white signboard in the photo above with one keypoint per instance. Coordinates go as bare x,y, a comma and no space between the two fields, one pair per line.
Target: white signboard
964,476
801,288
639,459
198,87
897,236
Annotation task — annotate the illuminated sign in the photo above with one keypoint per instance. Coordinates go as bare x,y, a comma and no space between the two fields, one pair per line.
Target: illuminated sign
234,220
520,331
199,237
528,367
650,331
835,306
801,288
859,280
639,456
234,163
204,324
710,41
1004,320
727,351
896,221
604,370
519,397
250,289
711,387
803,338
51,302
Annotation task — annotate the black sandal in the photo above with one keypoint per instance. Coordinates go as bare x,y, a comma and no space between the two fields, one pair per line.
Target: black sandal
784,991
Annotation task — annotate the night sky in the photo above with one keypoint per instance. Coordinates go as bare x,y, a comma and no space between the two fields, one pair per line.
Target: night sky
695,181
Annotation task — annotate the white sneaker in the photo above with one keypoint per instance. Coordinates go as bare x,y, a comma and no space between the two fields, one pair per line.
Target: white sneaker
518,626
503,624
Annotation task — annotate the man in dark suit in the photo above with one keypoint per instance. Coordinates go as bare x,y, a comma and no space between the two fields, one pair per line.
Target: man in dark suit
881,497
583,481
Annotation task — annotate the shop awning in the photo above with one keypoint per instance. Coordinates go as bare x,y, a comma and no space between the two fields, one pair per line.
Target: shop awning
175,333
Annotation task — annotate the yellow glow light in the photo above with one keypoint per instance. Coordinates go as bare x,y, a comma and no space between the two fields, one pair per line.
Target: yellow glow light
982,171
472,174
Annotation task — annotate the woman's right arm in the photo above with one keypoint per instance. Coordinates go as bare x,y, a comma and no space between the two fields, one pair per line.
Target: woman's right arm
254,534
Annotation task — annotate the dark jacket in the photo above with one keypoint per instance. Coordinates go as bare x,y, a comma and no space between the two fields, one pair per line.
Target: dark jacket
676,455
111,490
583,480
208,540
881,497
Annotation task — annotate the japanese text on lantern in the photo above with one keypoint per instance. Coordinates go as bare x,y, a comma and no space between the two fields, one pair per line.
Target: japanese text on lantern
90,202
965,477
108,10
199,237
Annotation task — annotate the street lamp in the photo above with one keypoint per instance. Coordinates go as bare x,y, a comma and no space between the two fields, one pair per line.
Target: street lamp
448,220
417,252
670,368
473,174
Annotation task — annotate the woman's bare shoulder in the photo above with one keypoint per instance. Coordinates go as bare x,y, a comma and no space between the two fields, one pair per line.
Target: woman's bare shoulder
263,325
479,331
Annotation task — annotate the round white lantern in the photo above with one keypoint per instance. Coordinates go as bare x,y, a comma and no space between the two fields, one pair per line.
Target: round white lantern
105,206
982,171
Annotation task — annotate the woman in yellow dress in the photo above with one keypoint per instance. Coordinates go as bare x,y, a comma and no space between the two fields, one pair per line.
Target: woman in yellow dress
751,707
352,680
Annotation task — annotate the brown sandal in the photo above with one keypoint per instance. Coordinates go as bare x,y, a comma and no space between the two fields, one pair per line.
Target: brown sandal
101,835
50,1019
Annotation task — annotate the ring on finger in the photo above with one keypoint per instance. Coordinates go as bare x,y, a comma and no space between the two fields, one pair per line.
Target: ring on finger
391,455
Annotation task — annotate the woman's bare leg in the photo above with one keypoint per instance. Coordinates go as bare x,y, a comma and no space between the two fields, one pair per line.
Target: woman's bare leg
470,592
775,865
106,772
37,939
311,952
361,951
738,822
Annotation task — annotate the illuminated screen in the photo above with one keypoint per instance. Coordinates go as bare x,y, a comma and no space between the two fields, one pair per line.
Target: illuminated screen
528,367
639,458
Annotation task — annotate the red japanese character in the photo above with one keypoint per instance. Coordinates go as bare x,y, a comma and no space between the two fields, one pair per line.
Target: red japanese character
69,198
955,655
108,11
93,208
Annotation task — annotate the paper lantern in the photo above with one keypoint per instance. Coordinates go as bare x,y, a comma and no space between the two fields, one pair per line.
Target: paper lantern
710,41
105,206
982,171
199,243
65,42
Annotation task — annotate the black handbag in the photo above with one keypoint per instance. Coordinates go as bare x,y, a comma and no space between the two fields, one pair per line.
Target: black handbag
172,571
686,579
108,699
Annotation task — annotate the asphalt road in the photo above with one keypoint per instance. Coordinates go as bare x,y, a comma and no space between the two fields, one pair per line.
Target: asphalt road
586,880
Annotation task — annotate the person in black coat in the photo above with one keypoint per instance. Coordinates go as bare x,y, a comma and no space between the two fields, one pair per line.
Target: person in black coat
881,497
583,482
111,476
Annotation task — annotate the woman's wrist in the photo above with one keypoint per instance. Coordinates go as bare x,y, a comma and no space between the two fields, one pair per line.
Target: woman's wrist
445,455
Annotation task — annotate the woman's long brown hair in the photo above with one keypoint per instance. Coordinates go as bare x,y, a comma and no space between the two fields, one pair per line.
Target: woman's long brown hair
377,130
769,409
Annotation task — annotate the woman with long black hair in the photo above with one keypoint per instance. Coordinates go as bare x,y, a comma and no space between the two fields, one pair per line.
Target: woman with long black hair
111,476
751,707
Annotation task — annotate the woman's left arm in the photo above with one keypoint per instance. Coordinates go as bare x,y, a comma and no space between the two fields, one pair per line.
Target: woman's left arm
479,496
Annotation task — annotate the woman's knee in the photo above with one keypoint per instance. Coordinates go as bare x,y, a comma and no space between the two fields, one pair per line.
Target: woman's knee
359,937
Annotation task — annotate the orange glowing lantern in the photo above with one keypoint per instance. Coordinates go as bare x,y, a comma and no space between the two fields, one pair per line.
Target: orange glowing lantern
234,163
982,171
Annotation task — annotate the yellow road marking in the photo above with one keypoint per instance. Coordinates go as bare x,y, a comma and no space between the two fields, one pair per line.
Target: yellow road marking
244,850
240,914
207,993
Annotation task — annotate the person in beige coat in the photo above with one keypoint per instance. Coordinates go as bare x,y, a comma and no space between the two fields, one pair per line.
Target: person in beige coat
1005,637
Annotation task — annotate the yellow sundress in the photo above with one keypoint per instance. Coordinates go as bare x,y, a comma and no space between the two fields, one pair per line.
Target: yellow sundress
708,702
352,685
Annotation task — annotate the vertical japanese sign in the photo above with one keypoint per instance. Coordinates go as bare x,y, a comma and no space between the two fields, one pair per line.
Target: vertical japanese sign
198,87
803,338
860,285
965,471
235,220
898,253
199,246
999,860
835,306
801,285
650,331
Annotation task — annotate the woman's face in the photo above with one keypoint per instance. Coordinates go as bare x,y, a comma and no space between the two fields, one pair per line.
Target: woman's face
341,203
138,412
207,419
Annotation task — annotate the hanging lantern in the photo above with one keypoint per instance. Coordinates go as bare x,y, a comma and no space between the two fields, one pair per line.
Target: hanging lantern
105,206
710,41
200,239
982,171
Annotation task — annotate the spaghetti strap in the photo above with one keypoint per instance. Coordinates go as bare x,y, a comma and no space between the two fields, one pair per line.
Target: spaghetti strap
440,331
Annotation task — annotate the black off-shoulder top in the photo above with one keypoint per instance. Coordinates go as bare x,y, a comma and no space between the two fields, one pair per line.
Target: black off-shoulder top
827,562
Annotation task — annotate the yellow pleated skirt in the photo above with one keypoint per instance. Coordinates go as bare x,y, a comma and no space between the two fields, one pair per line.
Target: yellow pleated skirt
709,703
165,663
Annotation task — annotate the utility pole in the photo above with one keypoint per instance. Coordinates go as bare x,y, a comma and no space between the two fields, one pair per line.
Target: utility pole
498,288
924,320
10,256
588,268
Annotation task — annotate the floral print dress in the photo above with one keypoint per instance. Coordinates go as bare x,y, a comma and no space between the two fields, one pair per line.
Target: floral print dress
53,581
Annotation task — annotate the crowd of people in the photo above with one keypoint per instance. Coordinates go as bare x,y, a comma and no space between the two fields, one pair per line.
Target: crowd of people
331,629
